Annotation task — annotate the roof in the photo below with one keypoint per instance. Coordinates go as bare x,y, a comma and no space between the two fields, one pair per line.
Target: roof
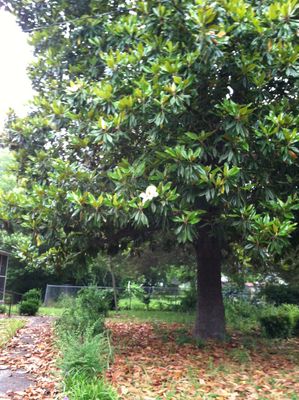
4,253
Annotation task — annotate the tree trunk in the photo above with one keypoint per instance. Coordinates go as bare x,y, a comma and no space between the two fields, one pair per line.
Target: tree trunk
210,319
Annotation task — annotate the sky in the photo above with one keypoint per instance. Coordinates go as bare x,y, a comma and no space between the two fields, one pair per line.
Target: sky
15,56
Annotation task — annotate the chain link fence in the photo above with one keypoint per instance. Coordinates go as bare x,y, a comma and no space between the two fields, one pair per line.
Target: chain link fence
143,297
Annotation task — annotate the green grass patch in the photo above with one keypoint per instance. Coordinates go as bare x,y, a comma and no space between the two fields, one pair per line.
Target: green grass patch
169,317
51,311
8,328
80,387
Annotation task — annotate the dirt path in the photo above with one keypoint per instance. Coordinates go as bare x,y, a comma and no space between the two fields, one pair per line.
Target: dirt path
27,363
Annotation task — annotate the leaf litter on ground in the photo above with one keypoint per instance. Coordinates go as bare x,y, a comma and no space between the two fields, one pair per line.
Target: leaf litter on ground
163,362
32,353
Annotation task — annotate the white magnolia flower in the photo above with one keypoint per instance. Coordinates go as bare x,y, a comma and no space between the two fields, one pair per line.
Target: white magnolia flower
149,194
74,87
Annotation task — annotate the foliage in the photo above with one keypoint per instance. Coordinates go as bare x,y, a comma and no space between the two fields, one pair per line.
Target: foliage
288,264
94,301
243,316
7,165
2,309
28,307
188,303
282,321
30,303
87,354
85,346
194,103
80,387
32,294
293,312
86,312
280,294
277,325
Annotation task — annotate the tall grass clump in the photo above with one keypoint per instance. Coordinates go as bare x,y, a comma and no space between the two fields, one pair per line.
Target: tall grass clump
79,387
85,347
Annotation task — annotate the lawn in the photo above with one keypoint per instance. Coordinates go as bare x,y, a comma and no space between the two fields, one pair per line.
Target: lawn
153,316
8,328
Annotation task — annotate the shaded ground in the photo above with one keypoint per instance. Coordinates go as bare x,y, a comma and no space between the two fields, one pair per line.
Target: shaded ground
155,362
27,363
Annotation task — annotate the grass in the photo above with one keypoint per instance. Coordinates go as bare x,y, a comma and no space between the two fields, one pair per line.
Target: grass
240,316
169,317
156,303
8,328
80,387
51,311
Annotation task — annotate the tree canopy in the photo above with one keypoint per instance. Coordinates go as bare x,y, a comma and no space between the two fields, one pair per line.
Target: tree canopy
177,116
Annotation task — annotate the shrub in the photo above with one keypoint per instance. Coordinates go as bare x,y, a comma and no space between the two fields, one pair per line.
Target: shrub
277,324
293,312
242,315
28,307
188,303
86,312
64,301
80,387
296,326
2,309
86,354
94,301
32,294
281,294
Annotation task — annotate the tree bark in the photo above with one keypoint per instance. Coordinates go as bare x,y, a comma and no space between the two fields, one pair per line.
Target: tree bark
210,318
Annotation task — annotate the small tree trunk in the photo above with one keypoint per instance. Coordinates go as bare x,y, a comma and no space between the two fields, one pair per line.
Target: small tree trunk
210,319
113,284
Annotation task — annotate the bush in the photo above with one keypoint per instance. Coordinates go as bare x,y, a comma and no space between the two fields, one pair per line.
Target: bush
281,294
32,294
2,309
94,301
188,303
293,312
64,301
86,312
242,315
296,326
28,307
278,324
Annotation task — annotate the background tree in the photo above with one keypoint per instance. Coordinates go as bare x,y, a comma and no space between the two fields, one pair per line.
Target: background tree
168,115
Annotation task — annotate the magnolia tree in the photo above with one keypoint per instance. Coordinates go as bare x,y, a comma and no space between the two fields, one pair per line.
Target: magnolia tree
177,116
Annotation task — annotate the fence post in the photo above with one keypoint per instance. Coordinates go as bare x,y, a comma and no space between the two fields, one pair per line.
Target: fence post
9,307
